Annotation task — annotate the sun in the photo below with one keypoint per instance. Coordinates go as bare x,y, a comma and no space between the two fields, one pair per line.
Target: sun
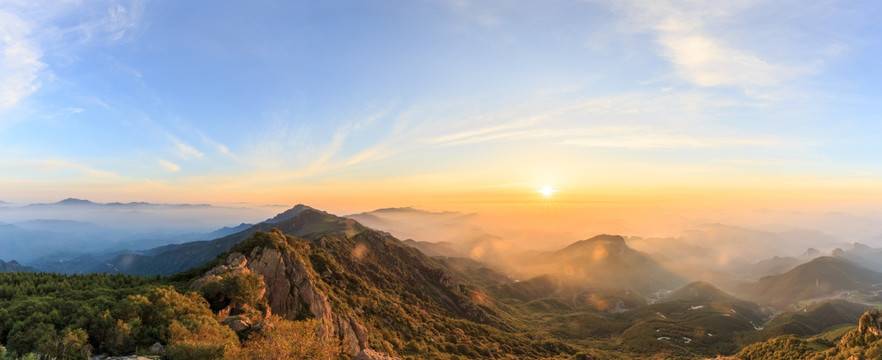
546,191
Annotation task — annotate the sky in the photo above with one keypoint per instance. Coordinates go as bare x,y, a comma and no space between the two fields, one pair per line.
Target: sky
624,107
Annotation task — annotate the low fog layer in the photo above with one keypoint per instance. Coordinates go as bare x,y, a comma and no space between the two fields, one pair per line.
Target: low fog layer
73,227
140,215
719,247
723,248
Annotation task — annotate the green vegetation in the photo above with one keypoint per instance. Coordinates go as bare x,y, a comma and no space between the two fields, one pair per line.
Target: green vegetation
814,319
282,339
822,277
784,347
49,312
398,301
73,317
401,299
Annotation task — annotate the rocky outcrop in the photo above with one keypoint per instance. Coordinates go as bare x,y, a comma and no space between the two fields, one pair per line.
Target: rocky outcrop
156,348
871,323
238,324
234,265
292,293
238,316
368,354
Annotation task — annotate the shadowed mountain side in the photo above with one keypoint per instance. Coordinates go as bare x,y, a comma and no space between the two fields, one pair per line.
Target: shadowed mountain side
822,277
472,271
443,249
861,254
696,320
811,320
770,266
302,221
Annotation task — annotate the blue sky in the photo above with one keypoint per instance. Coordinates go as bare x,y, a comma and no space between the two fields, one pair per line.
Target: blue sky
209,101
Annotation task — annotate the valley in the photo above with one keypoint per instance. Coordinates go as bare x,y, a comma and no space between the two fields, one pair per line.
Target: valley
367,293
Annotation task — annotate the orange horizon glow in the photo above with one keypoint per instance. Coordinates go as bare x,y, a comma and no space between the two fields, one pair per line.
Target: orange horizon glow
516,210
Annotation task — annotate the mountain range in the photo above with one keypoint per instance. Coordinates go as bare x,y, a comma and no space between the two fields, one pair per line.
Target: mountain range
14,266
823,277
595,298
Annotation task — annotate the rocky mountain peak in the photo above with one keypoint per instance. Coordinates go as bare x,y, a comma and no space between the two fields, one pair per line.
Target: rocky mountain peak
290,213
289,289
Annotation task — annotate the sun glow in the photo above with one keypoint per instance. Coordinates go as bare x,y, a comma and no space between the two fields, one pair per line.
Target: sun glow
546,191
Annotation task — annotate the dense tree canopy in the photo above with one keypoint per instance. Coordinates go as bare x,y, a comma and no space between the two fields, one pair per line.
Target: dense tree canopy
73,317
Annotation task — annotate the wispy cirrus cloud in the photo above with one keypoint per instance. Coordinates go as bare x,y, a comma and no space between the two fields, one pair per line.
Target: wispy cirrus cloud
185,151
28,30
707,61
20,62
697,39
168,165
121,19
478,134
653,140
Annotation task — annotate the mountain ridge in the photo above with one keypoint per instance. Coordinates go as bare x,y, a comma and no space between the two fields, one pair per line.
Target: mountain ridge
822,276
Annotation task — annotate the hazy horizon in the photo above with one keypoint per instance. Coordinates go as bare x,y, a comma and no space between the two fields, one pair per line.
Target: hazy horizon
546,225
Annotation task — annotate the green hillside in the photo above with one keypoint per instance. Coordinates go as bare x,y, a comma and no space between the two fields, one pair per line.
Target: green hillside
822,277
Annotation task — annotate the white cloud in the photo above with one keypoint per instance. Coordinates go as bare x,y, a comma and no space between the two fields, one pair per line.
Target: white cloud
654,140
706,61
223,149
19,60
700,56
168,165
339,140
28,30
120,19
184,150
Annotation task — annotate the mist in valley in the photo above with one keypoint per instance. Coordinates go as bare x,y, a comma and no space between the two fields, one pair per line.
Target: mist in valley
726,248
722,247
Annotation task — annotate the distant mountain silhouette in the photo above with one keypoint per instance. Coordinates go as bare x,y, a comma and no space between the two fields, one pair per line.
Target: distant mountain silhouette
72,202
604,261
14,266
861,254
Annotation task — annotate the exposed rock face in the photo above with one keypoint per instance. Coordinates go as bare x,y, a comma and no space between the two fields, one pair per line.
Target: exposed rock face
871,323
235,265
368,354
291,291
156,348
239,317
238,324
